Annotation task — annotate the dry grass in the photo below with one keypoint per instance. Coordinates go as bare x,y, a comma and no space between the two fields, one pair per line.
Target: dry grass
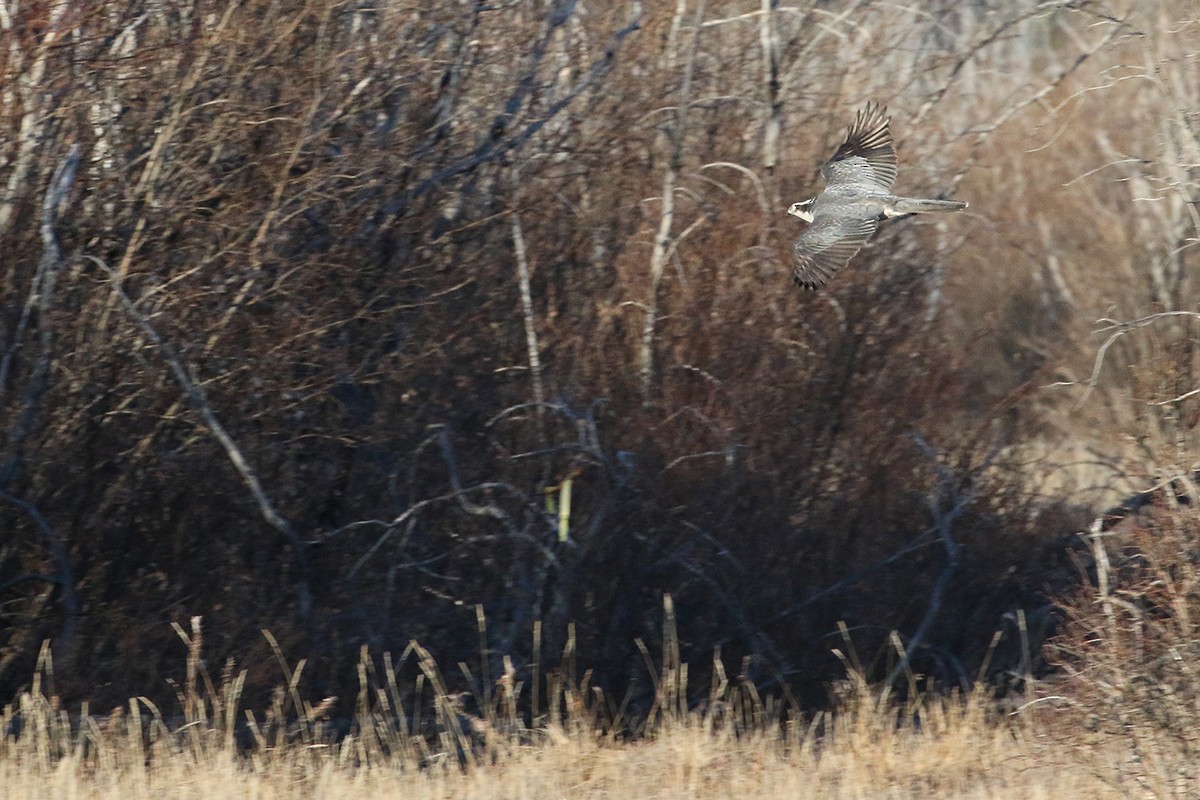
958,752
962,746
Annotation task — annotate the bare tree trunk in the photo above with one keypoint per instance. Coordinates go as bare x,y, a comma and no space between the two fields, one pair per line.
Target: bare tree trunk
41,291
770,47
662,240
41,295
34,99
531,343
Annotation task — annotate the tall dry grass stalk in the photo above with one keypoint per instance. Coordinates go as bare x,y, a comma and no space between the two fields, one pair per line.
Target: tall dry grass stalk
926,746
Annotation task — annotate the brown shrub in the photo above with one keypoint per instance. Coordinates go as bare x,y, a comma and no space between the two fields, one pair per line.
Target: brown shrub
313,205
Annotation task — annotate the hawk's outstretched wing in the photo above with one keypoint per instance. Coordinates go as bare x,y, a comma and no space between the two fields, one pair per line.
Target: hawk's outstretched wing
868,155
825,247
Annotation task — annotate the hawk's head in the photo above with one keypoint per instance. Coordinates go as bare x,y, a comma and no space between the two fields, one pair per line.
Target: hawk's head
803,210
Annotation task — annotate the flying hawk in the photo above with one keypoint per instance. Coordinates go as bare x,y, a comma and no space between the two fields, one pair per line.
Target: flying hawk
858,194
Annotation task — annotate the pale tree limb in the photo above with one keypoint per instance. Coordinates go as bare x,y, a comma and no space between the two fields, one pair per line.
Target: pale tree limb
769,39
531,342
662,239
410,515
199,400
1118,329
34,99
760,193
41,292
982,134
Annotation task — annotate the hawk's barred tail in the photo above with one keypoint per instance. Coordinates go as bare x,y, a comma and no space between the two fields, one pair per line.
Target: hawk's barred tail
911,205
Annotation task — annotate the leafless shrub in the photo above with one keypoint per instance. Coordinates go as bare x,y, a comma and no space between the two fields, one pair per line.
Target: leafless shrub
1129,647
434,267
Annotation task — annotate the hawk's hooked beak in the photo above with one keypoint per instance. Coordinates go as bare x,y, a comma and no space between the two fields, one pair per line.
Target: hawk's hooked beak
803,210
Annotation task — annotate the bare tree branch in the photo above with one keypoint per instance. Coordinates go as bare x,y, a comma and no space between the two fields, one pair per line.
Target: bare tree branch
494,146
199,400
1119,329
662,239
41,293
950,491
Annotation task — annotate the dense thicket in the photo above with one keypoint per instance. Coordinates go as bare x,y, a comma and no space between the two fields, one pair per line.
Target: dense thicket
423,262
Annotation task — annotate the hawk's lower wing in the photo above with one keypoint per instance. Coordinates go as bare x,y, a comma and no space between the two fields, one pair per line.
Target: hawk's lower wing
825,247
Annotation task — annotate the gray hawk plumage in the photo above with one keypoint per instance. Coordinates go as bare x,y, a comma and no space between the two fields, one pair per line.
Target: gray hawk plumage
857,195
